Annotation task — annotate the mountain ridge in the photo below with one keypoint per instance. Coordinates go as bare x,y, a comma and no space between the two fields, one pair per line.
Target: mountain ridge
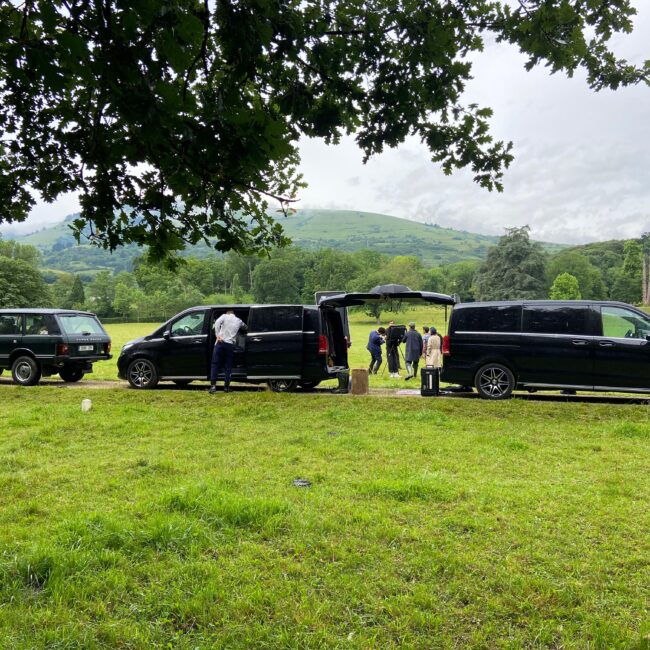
346,230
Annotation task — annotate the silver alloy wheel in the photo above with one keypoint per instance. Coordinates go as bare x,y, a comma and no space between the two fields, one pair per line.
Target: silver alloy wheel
23,372
495,382
141,374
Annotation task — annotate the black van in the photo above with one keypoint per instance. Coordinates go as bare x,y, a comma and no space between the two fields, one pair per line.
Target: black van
285,345
538,345
44,342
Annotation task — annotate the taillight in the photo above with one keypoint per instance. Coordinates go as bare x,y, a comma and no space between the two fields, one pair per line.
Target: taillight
323,347
446,345
61,349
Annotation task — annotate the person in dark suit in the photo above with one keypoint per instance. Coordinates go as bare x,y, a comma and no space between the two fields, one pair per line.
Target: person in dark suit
413,340
375,341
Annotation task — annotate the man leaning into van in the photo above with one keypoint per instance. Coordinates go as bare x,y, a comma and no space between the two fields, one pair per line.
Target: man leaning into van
226,328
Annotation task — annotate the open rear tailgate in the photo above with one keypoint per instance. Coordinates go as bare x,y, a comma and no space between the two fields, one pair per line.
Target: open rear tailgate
411,297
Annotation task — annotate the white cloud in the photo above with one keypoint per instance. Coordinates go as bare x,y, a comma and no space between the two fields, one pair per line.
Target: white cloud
582,159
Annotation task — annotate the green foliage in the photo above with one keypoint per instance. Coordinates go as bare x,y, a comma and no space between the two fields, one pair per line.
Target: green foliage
565,287
626,288
514,269
21,285
211,101
276,281
459,279
100,294
16,251
77,296
589,277
633,261
330,270
313,230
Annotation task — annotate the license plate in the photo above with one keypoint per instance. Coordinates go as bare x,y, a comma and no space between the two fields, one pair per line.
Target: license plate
86,348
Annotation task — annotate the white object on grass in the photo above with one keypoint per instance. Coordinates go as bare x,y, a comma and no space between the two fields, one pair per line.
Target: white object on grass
86,405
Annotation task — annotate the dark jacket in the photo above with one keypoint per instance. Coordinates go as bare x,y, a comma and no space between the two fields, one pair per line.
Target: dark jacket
413,340
374,342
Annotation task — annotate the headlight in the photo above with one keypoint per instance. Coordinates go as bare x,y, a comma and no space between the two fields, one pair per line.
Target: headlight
126,346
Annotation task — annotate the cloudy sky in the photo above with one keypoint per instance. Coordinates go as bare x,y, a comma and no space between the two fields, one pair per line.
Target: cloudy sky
582,159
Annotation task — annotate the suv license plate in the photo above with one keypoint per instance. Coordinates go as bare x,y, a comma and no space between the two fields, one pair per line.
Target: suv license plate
86,348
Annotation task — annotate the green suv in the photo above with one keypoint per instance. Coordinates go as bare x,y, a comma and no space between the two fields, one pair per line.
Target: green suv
45,342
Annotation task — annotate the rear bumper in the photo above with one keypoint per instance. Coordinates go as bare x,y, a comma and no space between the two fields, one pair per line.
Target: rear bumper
73,362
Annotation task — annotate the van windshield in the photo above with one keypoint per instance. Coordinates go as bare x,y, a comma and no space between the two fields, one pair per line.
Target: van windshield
80,324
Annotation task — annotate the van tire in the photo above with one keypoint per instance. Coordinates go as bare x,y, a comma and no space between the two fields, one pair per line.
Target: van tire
282,385
25,371
71,375
494,381
142,374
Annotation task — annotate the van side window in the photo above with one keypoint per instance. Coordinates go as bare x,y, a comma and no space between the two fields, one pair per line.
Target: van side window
189,325
488,319
556,319
11,325
623,323
276,319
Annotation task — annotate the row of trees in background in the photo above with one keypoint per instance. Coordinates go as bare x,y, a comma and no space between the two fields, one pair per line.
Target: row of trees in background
519,268
515,268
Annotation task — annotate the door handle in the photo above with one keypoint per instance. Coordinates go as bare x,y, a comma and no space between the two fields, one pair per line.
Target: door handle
579,342
256,340
606,344
198,342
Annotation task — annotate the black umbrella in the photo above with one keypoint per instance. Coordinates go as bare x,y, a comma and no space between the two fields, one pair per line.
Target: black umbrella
389,289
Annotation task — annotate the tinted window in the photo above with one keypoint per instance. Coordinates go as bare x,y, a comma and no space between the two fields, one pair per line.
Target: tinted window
40,325
80,324
189,325
624,323
276,319
556,319
10,325
488,319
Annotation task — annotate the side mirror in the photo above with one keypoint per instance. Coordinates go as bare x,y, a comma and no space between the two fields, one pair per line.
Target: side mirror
167,335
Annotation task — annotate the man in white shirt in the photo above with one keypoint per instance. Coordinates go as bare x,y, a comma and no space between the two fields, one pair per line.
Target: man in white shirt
226,328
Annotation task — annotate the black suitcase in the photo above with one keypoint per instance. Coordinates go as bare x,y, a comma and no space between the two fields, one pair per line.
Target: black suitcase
429,382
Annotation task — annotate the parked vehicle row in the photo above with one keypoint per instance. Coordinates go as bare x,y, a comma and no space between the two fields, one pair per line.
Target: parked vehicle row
286,346
495,347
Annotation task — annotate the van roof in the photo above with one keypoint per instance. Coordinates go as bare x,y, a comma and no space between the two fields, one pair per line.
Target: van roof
43,310
514,303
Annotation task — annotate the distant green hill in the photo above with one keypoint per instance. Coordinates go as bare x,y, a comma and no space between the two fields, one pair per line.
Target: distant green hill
312,229
350,231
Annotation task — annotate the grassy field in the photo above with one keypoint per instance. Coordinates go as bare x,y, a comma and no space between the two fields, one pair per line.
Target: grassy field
360,326
169,519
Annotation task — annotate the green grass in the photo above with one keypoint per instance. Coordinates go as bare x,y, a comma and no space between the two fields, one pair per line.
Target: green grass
169,520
